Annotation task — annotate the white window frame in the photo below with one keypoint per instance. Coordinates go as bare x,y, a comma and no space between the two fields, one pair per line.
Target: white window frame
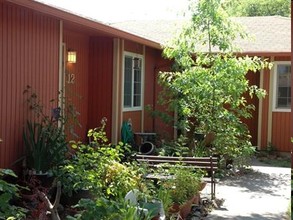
275,88
137,108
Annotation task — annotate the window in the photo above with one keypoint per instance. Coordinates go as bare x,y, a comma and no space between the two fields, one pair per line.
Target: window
282,93
132,82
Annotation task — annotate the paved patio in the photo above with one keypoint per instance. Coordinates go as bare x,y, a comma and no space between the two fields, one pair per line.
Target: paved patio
263,194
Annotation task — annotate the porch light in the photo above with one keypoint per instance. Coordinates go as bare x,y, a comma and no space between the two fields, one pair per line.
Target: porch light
71,56
136,63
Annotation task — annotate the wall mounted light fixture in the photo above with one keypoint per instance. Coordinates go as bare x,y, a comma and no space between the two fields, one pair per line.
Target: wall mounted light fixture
136,63
71,56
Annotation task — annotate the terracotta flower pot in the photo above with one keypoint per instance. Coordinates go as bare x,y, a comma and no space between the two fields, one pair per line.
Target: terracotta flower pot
174,208
185,208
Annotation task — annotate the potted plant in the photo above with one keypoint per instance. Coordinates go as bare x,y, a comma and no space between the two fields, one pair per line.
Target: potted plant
45,146
44,136
184,189
97,168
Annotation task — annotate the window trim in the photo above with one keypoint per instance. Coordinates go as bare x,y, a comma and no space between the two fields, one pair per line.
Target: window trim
140,56
275,68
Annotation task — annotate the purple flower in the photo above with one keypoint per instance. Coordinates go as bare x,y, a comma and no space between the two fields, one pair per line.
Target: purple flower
56,113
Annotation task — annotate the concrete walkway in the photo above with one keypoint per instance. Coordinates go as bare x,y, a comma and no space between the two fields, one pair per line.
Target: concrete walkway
263,194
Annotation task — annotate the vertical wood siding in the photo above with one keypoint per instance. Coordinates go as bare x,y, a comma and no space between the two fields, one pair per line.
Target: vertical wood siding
151,56
252,122
154,64
291,121
77,92
100,82
281,137
281,131
165,130
29,49
135,118
133,47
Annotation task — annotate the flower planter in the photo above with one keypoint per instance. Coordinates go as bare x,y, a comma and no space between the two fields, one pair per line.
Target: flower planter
185,208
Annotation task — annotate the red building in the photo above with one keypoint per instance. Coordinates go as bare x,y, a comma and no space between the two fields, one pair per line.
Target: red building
34,42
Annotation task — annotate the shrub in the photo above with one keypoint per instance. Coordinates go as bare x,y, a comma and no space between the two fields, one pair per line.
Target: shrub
105,209
185,184
9,191
97,167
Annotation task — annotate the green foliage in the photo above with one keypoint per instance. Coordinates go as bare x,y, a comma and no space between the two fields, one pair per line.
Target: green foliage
105,209
175,148
201,150
36,149
208,85
9,191
97,167
185,184
44,138
258,8
45,146
164,195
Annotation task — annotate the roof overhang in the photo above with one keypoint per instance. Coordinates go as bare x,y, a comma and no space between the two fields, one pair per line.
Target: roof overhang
265,54
83,22
99,28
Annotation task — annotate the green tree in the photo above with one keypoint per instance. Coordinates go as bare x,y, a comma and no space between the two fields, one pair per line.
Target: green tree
208,84
258,8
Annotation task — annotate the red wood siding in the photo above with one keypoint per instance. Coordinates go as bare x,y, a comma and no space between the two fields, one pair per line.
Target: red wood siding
154,64
281,137
281,131
100,82
291,121
133,47
283,58
135,117
252,122
29,49
165,131
151,58
77,92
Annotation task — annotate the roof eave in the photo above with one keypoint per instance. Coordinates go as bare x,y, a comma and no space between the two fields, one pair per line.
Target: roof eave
95,25
265,53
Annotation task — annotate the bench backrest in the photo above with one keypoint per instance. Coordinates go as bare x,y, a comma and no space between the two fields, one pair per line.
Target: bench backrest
206,163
